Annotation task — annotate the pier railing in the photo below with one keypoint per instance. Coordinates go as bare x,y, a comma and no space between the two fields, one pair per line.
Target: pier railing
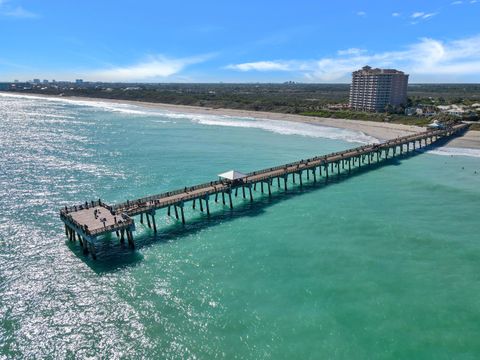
85,205
153,198
126,221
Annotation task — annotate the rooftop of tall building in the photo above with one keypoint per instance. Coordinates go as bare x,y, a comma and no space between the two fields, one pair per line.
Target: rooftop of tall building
367,70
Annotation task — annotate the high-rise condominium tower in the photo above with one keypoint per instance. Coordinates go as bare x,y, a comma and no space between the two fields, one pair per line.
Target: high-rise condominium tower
375,89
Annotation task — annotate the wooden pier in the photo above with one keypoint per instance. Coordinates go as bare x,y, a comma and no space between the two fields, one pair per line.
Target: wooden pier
90,220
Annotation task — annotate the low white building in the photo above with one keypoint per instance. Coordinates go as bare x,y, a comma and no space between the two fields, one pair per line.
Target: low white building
455,110
232,175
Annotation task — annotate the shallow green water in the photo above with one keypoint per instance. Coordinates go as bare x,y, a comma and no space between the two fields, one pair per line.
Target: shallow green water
383,264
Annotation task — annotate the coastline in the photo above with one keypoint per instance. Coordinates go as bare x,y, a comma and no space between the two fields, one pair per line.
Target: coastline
378,130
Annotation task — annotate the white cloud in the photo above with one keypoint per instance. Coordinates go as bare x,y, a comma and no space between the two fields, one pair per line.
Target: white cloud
417,14
428,58
429,15
262,66
396,14
361,13
154,67
457,3
422,15
17,12
351,51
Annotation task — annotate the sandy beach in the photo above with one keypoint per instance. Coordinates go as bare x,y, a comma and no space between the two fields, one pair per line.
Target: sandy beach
381,131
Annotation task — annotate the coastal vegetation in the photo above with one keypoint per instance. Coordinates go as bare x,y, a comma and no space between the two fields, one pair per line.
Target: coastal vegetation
366,116
323,100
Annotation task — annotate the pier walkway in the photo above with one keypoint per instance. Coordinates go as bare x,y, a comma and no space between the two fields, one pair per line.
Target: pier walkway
87,221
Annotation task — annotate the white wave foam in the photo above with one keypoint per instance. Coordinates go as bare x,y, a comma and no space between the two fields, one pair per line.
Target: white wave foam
287,128
454,151
164,122
276,126
104,105
46,115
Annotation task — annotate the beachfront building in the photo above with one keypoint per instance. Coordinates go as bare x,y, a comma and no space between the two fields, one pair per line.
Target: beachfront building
376,89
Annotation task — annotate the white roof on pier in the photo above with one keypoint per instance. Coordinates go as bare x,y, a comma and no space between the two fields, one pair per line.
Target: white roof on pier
435,125
232,175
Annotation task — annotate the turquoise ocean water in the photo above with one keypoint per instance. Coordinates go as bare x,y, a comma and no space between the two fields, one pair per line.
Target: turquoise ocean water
382,264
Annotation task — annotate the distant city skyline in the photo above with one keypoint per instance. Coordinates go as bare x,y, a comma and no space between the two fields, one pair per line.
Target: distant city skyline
215,41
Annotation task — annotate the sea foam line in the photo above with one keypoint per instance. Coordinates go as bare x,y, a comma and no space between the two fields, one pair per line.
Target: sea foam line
104,105
454,151
289,128
277,126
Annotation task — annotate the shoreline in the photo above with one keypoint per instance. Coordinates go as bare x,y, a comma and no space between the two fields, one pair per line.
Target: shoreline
378,130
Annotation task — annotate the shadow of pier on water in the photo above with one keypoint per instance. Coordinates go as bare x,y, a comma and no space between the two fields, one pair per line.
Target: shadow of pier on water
112,255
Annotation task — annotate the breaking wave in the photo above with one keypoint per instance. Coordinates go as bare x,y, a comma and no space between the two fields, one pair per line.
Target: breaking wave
288,128
454,151
103,105
276,126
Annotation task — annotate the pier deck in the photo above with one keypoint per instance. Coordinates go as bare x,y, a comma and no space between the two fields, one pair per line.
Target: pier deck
92,219
95,223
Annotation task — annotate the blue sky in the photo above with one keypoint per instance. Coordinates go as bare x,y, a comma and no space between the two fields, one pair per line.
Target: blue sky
238,41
